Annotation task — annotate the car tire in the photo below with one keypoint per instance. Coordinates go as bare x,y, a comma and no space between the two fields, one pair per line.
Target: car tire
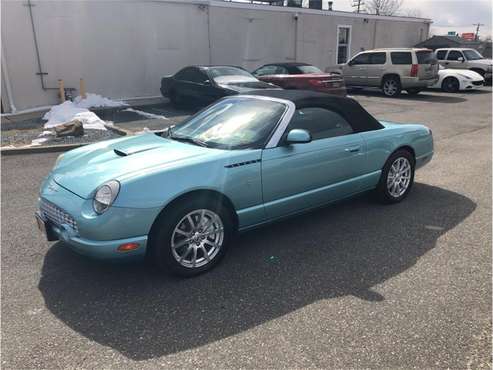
451,85
391,86
397,177
413,91
180,248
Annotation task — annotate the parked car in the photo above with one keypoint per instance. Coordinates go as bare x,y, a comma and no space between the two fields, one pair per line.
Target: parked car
180,196
301,76
454,80
392,70
206,84
462,58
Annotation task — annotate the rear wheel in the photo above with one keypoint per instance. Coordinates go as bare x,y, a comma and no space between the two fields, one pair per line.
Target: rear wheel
391,86
451,85
397,177
192,237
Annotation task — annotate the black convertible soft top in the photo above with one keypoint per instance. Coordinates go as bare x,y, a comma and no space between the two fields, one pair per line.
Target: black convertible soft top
349,108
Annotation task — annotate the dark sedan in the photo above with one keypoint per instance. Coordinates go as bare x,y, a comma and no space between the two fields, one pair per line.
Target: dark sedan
301,76
206,84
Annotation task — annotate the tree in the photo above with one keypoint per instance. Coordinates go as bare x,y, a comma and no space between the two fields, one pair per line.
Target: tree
416,13
383,7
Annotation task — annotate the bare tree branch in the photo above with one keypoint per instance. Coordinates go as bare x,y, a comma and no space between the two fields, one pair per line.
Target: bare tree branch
383,7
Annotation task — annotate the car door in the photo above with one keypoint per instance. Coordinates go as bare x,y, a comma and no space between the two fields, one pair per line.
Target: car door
300,176
454,59
376,68
187,82
355,71
199,87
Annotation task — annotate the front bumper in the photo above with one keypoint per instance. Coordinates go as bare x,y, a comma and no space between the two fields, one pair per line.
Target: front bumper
470,84
72,220
106,249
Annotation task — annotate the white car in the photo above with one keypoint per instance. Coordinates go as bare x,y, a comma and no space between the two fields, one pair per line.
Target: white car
454,80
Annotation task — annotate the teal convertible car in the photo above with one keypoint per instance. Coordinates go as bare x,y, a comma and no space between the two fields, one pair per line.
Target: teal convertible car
179,196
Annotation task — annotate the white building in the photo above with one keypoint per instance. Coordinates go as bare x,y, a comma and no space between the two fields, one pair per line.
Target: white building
123,48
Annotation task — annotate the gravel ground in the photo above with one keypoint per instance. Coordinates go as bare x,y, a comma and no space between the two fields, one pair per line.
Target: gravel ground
355,285
22,133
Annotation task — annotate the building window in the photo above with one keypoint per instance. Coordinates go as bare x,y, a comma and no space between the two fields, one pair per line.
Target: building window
343,44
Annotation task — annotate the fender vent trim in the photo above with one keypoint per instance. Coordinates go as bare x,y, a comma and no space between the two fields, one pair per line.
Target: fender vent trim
239,164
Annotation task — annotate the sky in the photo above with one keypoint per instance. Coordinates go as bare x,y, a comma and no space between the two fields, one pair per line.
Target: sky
447,15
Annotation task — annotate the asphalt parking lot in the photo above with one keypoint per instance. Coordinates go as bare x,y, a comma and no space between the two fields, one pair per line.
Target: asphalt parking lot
354,285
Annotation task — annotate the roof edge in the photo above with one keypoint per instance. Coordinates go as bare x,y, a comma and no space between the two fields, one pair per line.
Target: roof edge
232,4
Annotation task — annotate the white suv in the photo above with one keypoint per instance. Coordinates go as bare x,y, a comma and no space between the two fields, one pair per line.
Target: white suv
392,70
458,58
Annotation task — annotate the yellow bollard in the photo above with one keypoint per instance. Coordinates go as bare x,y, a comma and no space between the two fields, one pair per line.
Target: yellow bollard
61,90
82,89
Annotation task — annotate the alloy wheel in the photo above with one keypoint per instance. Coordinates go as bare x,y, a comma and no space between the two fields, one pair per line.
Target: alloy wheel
197,238
399,177
390,87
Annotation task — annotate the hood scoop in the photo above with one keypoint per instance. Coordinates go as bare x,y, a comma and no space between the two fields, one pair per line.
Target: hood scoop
129,151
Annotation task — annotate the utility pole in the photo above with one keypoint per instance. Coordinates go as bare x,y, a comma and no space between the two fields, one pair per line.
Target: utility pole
477,30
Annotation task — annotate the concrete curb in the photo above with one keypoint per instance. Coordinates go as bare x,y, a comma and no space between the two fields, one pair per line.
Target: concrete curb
41,149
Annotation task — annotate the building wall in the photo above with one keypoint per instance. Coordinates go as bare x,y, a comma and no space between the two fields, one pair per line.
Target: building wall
122,48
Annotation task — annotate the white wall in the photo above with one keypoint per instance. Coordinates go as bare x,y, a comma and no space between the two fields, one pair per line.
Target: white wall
123,48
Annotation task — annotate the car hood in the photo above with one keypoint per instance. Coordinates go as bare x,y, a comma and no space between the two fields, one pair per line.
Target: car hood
83,170
463,72
486,62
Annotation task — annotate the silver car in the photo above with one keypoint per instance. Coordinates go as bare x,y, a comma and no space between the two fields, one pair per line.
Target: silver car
392,70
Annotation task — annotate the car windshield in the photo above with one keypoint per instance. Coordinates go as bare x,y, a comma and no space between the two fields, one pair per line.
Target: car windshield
306,70
232,123
472,55
229,75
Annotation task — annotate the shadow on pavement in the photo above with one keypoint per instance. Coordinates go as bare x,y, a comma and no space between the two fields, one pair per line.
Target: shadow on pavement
423,96
341,250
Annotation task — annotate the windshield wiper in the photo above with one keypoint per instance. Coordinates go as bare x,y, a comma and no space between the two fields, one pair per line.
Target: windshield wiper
187,139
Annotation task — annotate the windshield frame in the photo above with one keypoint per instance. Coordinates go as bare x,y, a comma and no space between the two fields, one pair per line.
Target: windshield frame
272,139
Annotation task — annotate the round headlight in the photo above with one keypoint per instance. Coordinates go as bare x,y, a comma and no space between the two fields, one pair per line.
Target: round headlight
105,196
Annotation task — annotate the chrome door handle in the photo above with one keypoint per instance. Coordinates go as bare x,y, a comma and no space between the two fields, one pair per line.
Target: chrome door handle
353,149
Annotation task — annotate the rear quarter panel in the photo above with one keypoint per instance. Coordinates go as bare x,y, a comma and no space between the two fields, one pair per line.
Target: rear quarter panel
382,143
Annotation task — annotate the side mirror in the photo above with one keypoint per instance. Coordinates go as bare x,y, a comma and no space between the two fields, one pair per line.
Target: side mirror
207,82
298,136
350,63
460,59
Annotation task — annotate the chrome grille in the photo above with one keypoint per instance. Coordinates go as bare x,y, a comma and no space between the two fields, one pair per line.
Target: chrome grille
56,215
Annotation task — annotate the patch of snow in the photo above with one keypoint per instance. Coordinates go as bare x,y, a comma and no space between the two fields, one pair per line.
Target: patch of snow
144,131
46,133
96,101
78,109
39,141
145,114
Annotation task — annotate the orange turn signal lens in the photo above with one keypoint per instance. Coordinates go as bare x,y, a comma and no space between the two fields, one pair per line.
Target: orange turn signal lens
127,247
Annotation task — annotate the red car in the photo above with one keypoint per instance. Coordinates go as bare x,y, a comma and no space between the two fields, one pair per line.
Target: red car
301,76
